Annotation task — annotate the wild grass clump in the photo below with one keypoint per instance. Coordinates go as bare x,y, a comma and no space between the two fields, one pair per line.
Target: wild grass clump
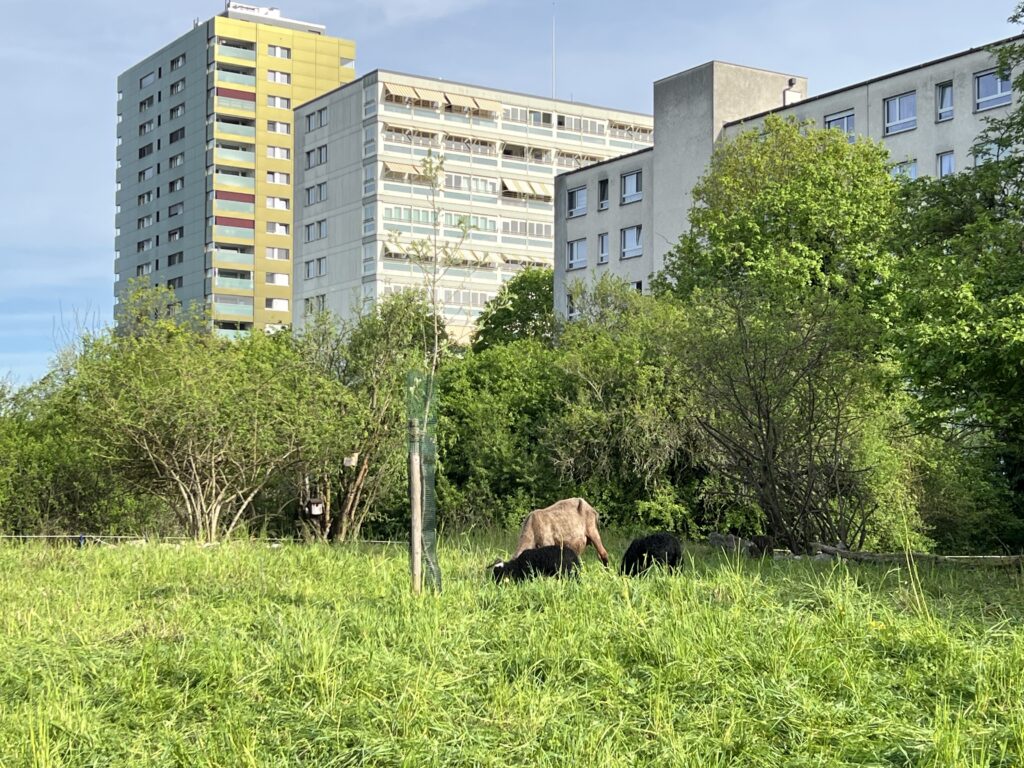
247,655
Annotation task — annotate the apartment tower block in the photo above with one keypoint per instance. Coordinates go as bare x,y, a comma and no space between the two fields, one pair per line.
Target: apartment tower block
205,150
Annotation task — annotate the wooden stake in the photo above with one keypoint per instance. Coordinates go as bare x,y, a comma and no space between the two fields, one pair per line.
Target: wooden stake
415,508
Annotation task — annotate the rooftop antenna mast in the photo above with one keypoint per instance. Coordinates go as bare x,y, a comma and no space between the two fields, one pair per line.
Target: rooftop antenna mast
552,49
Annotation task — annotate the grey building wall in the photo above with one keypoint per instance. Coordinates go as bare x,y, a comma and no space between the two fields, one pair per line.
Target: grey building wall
931,136
192,169
610,221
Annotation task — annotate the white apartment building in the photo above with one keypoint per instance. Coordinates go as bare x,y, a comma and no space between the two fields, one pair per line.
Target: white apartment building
361,195
928,116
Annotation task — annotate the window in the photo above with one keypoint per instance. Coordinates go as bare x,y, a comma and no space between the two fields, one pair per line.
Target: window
279,153
572,312
279,77
369,102
946,164
144,245
146,173
369,220
177,185
277,177
178,86
316,231
901,113
146,127
515,114
602,248
540,118
145,221
991,90
577,201
314,304
315,157
944,101
316,193
316,268
175,210
176,111
638,286
279,51
176,234
176,282
576,254
281,102
177,135
146,103
369,179
602,195
580,124
146,150
147,80
175,258
145,197
369,140
144,269
176,160
177,62
316,119
277,254
908,169
277,278
632,187
276,305
279,203
276,126
842,121
277,228
632,245
986,152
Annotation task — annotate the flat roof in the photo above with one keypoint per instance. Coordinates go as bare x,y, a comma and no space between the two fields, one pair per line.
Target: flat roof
440,81
878,79
604,162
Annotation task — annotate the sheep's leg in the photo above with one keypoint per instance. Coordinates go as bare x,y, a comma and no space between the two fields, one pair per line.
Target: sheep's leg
595,538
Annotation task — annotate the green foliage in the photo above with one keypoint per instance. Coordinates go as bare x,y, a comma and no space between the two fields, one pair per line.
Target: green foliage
523,309
497,405
785,209
243,655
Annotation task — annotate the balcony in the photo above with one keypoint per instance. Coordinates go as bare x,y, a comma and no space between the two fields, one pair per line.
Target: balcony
223,305
234,180
236,283
239,105
228,256
232,52
234,206
235,78
235,129
234,155
237,233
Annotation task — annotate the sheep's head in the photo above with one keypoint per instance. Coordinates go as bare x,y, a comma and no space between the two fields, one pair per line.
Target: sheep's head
498,570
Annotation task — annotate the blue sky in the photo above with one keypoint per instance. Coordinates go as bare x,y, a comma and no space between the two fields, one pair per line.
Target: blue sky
61,61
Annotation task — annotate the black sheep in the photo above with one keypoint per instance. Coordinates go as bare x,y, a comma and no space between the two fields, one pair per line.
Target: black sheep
543,561
663,548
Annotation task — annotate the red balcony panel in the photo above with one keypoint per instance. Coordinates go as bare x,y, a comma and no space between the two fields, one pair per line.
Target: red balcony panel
238,197
235,94
231,221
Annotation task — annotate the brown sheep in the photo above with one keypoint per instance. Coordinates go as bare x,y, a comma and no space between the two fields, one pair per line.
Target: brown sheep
569,523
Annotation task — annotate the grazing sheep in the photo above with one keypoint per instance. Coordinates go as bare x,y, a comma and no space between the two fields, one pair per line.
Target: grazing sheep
543,561
570,523
663,548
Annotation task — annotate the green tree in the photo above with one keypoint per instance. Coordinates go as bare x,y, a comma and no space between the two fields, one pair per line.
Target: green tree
201,423
784,275
523,309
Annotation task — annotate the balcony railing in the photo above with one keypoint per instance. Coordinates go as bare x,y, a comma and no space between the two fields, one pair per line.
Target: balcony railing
234,310
235,77
226,255
239,233
235,129
236,53
232,180
238,283
237,155
226,102
234,206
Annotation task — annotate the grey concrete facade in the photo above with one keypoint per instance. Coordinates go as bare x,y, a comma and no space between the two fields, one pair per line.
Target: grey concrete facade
698,107
501,151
